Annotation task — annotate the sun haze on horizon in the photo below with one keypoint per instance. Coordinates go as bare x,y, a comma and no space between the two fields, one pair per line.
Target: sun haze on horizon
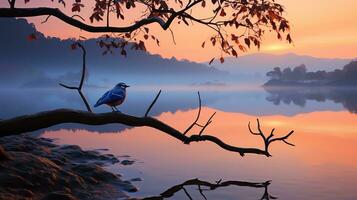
319,29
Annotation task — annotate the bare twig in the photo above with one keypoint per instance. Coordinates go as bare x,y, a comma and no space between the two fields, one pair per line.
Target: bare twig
44,21
270,139
48,17
187,194
152,104
108,12
173,36
12,3
80,17
209,121
195,123
201,192
198,115
79,88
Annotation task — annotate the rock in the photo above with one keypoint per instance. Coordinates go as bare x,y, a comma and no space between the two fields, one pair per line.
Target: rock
127,162
59,196
128,186
94,171
3,154
13,180
40,170
136,179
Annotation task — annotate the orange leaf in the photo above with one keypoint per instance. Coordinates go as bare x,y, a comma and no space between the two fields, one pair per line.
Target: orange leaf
221,60
211,61
32,37
222,14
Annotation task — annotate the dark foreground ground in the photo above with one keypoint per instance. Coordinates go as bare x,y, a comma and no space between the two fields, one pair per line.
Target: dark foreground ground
35,168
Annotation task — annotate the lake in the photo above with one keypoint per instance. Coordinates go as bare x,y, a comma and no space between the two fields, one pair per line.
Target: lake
322,165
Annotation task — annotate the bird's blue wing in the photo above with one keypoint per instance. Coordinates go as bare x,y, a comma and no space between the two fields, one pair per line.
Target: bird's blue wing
111,96
102,99
115,95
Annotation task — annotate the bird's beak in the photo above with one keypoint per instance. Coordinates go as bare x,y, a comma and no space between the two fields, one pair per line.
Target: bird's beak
127,85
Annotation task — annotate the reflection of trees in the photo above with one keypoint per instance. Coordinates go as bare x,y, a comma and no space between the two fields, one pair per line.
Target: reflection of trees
207,186
299,95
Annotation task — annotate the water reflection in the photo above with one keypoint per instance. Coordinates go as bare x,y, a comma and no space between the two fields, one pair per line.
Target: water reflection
299,96
326,144
251,101
204,186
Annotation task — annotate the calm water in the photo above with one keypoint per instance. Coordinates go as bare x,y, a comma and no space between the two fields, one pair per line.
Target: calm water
323,165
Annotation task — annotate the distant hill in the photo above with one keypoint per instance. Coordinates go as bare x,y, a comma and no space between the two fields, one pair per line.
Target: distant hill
299,76
48,60
253,67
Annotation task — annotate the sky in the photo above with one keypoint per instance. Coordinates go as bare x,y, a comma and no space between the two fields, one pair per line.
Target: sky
320,28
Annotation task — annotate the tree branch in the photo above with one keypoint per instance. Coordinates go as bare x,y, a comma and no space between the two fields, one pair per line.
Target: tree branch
28,123
79,88
33,12
270,139
152,104
209,121
12,3
198,115
211,186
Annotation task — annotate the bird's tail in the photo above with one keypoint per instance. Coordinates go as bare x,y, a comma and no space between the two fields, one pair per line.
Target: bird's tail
97,104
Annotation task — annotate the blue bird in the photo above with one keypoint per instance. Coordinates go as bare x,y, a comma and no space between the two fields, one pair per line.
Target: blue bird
113,97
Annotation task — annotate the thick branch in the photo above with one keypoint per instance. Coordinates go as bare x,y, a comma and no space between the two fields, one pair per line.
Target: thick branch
33,12
47,119
45,11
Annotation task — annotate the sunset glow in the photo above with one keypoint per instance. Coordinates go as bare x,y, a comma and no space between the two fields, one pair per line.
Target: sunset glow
178,99
318,28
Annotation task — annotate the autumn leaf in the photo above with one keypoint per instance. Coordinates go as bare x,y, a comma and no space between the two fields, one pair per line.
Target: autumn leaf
32,37
203,4
221,60
203,45
146,29
288,38
123,52
157,42
74,46
76,7
234,53
222,14
247,42
241,47
211,61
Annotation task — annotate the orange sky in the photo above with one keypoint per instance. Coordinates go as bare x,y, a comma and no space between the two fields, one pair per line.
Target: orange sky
319,28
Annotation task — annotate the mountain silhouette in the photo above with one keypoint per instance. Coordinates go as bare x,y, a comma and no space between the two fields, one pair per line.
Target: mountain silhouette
47,60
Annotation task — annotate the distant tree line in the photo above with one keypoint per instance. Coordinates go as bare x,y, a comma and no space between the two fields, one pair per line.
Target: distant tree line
299,74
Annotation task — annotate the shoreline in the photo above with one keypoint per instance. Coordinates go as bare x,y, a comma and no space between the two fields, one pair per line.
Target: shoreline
36,168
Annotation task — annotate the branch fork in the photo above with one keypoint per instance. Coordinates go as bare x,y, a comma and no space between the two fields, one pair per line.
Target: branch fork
270,139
